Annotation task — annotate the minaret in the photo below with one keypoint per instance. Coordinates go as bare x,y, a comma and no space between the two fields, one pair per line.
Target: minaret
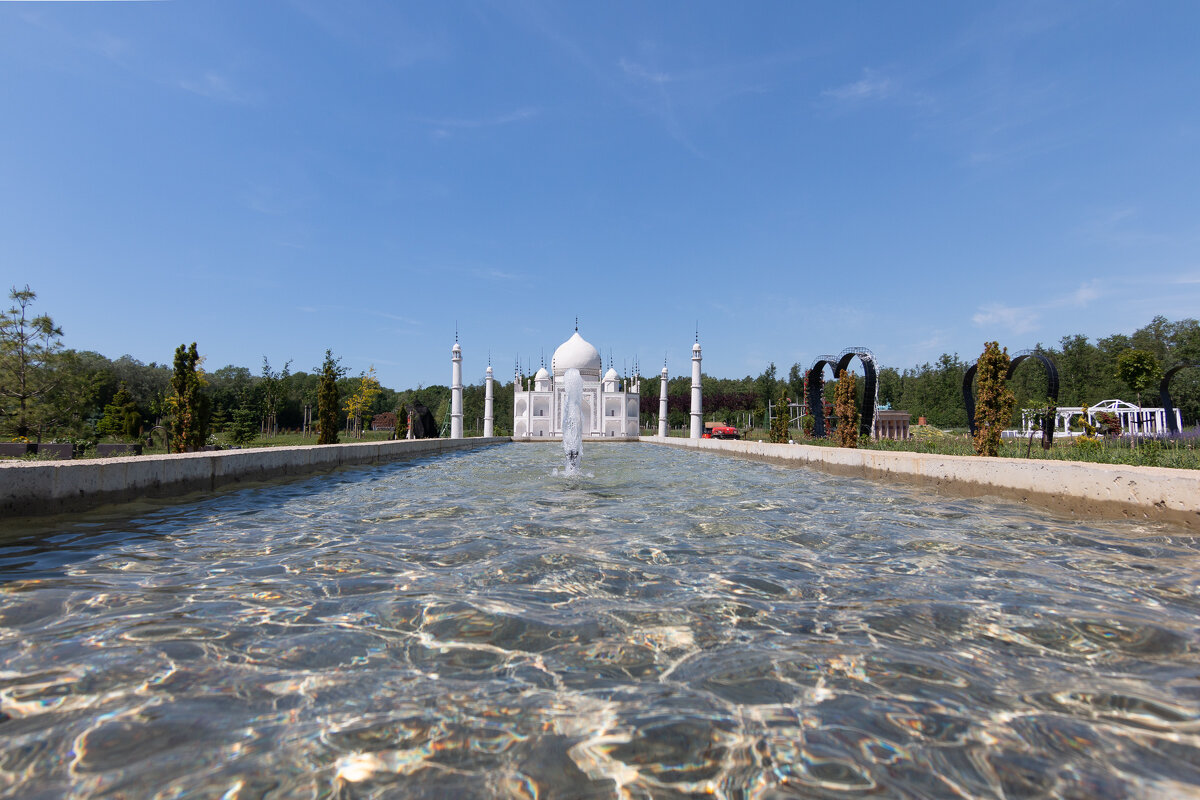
697,402
456,413
489,428
662,403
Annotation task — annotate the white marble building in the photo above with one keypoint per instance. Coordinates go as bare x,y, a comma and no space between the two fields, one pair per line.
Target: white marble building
610,405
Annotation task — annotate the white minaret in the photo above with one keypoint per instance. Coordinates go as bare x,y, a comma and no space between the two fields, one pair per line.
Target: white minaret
697,403
456,390
662,404
489,428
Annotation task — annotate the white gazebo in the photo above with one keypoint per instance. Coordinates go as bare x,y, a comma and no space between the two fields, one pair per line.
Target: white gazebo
1135,420
610,405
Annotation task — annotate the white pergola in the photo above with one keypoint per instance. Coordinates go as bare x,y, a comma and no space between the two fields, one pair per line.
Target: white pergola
1135,420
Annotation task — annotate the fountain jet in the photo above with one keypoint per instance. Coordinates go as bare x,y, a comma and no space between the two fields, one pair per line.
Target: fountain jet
573,421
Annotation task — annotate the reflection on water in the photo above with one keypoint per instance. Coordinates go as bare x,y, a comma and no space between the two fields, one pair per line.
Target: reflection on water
675,624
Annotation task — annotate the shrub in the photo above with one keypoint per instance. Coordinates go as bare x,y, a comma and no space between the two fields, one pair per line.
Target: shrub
1109,424
328,401
846,409
994,400
779,422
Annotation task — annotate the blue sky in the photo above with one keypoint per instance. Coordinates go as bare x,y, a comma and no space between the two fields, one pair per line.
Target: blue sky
278,178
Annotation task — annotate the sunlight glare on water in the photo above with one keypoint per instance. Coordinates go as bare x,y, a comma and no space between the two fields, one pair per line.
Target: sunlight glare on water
673,623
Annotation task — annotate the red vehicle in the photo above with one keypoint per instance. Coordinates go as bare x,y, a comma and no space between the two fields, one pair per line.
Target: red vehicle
719,430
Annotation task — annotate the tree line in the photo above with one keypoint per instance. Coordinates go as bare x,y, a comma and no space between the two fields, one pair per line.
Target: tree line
48,392
1089,372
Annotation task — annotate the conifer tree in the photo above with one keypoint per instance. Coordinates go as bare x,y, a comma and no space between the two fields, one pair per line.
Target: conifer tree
846,408
779,422
189,411
29,351
994,401
121,416
328,401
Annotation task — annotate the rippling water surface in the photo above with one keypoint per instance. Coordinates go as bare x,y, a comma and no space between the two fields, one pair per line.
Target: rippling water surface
672,624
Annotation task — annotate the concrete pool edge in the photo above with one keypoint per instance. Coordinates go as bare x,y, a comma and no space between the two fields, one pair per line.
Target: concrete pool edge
34,488
1079,488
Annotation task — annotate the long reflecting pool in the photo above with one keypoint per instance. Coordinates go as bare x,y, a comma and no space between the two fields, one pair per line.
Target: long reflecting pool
671,624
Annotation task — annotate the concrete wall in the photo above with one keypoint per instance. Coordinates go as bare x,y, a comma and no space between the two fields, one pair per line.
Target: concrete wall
1108,490
48,487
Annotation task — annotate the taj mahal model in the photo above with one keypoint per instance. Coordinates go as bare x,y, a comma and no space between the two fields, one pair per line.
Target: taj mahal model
610,404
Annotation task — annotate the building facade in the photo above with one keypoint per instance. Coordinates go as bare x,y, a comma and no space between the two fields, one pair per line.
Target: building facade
610,405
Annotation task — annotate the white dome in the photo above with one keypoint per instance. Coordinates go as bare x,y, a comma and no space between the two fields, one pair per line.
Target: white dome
611,375
542,375
577,353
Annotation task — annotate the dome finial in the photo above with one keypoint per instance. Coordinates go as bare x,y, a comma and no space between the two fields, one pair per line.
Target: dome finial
577,323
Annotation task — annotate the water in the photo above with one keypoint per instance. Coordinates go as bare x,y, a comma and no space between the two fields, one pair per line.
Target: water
678,624
572,439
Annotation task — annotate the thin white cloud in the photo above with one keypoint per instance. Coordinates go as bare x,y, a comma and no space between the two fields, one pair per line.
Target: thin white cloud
214,86
395,317
443,123
638,72
110,46
1016,319
872,86
1120,226
1086,293
497,275
1025,319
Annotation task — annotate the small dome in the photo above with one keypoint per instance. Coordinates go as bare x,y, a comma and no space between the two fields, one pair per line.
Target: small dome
696,347
579,354
542,375
456,348
611,375
664,371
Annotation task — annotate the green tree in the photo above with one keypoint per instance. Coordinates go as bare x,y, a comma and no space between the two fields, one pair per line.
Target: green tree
795,383
328,400
274,383
359,404
994,401
244,425
121,417
1137,369
779,420
765,385
29,350
846,408
187,404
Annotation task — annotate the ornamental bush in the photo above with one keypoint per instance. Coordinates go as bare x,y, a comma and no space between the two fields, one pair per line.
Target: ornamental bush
846,409
779,422
994,400
189,407
328,401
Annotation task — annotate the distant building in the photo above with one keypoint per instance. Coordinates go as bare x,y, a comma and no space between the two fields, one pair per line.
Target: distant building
891,424
384,422
610,405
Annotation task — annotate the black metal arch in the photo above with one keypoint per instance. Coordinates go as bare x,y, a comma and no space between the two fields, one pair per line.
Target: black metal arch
1164,394
816,387
1017,358
815,378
